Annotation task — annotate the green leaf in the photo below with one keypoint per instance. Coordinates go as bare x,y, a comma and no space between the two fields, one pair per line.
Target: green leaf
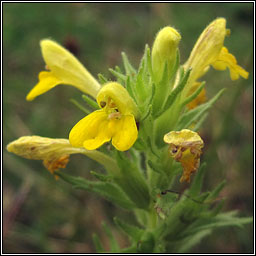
152,93
90,101
132,181
119,76
85,110
174,222
200,122
197,183
216,210
155,167
110,191
140,85
187,243
140,88
160,92
177,90
145,62
220,220
193,95
177,63
148,58
114,247
214,194
172,97
102,79
165,202
195,114
146,114
130,89
118,69
133,232
129,69
146,243
102,177
97,243
131,249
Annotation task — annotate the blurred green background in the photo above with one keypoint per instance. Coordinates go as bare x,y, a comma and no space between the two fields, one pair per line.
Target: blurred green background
42,215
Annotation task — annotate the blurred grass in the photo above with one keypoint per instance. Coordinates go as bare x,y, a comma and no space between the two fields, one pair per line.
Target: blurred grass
45,216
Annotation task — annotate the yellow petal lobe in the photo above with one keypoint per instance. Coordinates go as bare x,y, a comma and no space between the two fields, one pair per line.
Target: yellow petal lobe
47,81
103,134
227,60
127,133
87,128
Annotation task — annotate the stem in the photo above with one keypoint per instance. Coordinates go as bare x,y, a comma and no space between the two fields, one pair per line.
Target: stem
152,218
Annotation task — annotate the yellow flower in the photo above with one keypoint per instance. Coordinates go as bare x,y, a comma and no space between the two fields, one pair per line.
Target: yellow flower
64,68
185,147
55,152
209,50
115,120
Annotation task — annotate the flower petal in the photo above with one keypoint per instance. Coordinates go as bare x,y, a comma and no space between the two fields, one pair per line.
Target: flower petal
227,60
190,163
67,68
104,134
87,128
181,137
47,81
126,133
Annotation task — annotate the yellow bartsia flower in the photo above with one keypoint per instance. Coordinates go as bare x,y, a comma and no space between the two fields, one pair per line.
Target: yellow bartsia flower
54,152
115,120
63,68
185,147
209,51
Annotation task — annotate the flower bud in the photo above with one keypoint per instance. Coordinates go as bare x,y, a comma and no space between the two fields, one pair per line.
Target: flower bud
164,51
